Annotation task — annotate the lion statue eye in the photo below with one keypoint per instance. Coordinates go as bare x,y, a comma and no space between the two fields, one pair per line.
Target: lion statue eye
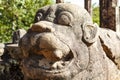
65,18
38,17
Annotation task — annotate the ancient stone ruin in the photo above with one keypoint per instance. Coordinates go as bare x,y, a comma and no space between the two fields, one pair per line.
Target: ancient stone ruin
64,44
10,58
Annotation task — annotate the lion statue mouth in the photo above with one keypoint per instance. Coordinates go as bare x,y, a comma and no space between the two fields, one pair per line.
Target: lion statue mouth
53,54
52,48
49,55
49,67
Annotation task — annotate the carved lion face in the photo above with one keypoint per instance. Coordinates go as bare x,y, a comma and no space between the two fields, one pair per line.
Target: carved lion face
53,47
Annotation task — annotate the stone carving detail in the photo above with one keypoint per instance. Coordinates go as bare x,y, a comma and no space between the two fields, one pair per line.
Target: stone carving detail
2,46
9,58
64,44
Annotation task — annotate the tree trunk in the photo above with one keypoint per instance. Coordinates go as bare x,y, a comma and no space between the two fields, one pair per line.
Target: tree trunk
88,6
59,1
109,14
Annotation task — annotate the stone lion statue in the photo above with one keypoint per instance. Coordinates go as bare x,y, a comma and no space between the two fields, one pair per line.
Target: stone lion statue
64,44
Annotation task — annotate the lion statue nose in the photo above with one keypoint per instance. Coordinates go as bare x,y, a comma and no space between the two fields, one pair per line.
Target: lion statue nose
42,26
51,47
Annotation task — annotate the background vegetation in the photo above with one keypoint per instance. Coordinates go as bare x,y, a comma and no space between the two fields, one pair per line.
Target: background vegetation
16,14
95,15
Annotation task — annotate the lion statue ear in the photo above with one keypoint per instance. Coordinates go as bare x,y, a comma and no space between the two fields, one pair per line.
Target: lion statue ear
90,32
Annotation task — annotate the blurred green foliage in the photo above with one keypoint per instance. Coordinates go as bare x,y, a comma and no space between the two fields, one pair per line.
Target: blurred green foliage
16,14
95,15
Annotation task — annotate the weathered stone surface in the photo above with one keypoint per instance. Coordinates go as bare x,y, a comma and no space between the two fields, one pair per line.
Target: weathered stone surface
10,57
17,35
2,46
110,41
14,51
64,44
13,47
